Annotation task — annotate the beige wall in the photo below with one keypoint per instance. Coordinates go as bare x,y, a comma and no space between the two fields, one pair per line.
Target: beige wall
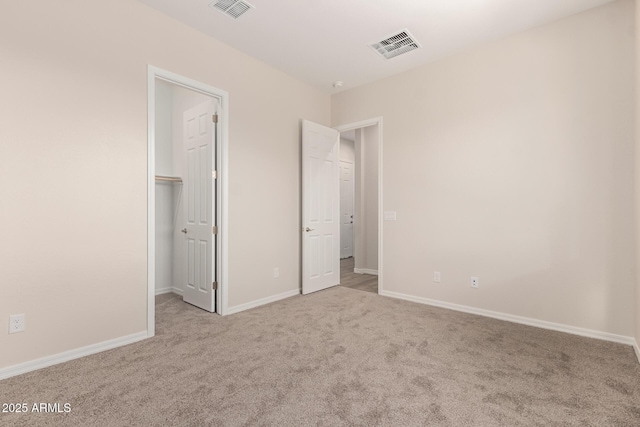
366,196
166,194
346,150
164,128
637,186
513,162
73,153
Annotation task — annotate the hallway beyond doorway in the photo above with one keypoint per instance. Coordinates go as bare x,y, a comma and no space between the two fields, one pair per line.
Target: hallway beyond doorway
361,282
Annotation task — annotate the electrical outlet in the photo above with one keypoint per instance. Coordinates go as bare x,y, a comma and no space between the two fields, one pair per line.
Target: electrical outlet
475,282
16,323
276,273
436,276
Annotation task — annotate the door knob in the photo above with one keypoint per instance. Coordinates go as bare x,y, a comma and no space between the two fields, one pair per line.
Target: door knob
184,230
308,229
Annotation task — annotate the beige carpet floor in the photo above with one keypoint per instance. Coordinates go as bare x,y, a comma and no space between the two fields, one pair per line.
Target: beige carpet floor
339,357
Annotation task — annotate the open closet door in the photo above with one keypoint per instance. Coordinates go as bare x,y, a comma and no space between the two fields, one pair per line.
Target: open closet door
199,138
320,207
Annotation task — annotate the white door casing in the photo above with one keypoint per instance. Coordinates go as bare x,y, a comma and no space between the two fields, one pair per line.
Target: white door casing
199,203
346,209
320,207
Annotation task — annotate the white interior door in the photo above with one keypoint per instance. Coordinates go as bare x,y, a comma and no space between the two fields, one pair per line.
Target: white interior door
346,209
199,138
320,207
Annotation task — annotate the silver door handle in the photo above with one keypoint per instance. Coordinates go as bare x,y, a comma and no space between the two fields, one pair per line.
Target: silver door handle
308,229
184,230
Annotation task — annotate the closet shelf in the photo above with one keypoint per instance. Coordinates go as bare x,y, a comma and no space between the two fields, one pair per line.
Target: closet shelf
169,178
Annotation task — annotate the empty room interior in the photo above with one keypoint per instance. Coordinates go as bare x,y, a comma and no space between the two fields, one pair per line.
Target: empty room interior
320,213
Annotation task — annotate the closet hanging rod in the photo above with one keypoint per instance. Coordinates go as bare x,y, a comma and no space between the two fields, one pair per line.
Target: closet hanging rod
169,178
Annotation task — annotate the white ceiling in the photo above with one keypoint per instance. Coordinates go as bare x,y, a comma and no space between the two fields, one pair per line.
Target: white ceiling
321,41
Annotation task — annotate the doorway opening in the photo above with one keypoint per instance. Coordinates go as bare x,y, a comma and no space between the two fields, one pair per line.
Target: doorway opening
359,206
187,192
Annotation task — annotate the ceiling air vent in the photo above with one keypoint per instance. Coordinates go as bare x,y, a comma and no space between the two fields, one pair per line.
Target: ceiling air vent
232,8
395,45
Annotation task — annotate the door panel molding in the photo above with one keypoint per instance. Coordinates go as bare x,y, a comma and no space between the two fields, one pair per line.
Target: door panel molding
199,148
320,207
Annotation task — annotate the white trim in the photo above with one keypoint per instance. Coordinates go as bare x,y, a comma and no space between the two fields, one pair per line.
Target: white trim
605,336
636,348
365,271
170,290
263,301
222,193
33,365
358,125
151,202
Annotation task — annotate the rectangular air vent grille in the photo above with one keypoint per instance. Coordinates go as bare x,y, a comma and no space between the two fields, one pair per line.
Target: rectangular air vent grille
396,45
232,8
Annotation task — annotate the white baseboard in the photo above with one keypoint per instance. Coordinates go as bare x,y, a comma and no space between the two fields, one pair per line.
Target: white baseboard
365,271
23,368
605,336
173,290
263,301
636,349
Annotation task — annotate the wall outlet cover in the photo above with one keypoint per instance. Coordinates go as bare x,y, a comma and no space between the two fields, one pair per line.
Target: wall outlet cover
17,323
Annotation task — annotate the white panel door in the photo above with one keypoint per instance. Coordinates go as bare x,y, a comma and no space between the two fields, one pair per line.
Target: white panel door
199,199
320,207
346,209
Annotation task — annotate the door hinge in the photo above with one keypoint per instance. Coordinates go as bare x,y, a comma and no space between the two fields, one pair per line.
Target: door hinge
214,286
214,118
214,174
214,229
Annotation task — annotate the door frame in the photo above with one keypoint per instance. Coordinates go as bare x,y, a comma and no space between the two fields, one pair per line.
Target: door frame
359,125
222,186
